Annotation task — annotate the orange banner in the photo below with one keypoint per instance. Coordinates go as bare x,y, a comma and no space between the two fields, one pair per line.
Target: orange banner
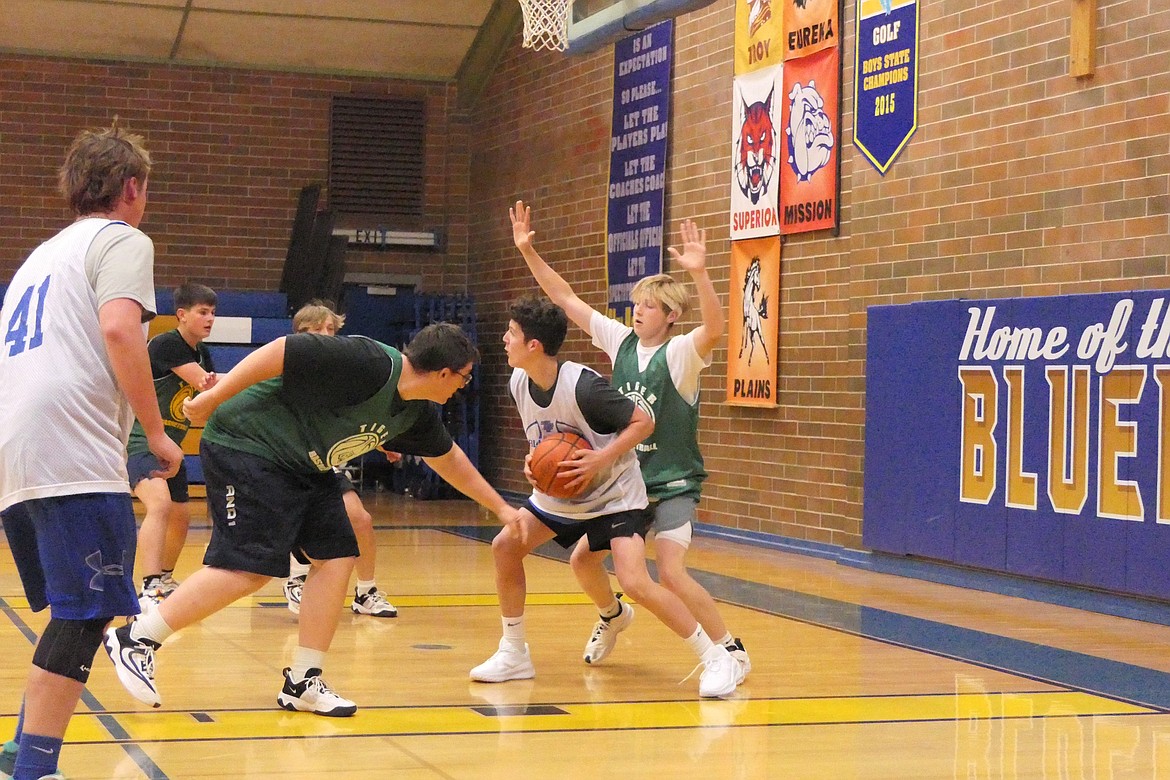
810,27
759,34
753,321
811,119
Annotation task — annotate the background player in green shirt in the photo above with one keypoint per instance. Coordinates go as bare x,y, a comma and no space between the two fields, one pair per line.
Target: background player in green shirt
660,371
181,366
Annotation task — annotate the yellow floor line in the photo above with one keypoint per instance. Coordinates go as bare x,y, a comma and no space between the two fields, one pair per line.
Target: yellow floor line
413,721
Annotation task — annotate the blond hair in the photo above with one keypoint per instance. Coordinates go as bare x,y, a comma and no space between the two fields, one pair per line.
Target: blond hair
315,314
663,290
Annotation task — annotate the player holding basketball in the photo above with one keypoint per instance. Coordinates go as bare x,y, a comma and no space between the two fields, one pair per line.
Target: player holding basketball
74,372
609,513
661,372
181,366
279,421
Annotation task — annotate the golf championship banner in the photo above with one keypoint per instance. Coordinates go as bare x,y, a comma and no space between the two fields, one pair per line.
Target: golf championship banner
753,322
885,77
1027,436
637,162
759,35
755,185
811,116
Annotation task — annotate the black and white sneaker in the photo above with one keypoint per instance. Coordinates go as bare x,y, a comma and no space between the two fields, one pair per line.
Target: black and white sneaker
134,662
293,587
373,602
312,694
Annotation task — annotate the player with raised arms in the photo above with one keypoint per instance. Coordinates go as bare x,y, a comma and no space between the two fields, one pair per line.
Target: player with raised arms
660,371
607,510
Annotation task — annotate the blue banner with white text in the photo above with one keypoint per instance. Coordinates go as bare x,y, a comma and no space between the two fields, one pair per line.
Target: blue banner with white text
637,163
885,78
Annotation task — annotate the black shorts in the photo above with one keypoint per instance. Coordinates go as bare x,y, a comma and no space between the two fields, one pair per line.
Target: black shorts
631,522
344,483
139,467
261,513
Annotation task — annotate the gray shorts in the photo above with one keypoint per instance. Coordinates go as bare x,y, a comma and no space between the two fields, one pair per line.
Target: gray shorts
674,520
672,513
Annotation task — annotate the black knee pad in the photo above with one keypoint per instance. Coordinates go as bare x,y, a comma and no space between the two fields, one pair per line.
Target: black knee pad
67,647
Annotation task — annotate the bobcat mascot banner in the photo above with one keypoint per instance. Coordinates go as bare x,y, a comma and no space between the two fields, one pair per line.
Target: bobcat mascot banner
1026,436
786,116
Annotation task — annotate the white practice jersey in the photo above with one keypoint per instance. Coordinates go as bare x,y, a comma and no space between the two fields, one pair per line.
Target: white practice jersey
63,419
619,490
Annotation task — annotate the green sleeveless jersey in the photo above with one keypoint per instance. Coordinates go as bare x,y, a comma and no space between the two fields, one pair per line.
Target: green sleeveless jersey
671,462
170,389
262,421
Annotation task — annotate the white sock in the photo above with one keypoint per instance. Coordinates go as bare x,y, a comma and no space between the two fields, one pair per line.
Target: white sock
728,640
304,659
699,642
365,586
150,625
297,569
514,631
612,611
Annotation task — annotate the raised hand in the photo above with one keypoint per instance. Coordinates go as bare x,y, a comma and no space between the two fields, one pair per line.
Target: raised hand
694,255
522,232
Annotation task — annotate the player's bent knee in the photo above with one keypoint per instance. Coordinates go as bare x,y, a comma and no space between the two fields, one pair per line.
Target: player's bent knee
362,521
67,647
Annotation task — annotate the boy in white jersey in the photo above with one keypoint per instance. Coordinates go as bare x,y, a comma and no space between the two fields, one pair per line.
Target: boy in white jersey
610,512
661,372
74,372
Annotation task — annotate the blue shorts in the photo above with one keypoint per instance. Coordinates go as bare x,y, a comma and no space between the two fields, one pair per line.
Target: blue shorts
75,554
600,530
140,465
261,512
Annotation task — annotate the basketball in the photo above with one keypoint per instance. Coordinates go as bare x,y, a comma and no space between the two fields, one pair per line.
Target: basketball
548,455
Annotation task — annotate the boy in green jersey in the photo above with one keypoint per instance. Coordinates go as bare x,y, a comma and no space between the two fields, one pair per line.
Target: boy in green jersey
276,425
181,366
660,371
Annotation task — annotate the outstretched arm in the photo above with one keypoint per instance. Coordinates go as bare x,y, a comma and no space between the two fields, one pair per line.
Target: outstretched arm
121,326
693,259
265,363
554,286
463,476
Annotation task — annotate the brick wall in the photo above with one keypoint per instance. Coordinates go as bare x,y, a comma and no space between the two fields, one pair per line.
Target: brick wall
1020,181
232,149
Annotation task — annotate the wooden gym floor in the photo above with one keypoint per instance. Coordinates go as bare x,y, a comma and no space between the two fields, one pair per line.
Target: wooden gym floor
855,675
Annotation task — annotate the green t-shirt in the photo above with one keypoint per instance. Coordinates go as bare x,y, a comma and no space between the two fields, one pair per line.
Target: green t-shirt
169,351
305,436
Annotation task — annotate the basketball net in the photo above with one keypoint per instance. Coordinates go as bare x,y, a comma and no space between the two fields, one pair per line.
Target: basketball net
546,24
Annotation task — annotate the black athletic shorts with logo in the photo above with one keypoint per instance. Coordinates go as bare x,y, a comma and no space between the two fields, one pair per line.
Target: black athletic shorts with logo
600,530
261,513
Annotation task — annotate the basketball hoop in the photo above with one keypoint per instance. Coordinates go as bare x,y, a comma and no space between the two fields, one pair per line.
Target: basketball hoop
546,24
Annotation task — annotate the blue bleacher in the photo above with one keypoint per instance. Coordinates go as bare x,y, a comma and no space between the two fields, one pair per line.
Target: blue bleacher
226,356
234,303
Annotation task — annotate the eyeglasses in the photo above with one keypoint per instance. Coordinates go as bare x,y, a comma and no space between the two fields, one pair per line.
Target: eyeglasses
466,378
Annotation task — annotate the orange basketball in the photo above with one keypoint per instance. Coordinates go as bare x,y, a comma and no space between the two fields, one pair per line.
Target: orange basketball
547,456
